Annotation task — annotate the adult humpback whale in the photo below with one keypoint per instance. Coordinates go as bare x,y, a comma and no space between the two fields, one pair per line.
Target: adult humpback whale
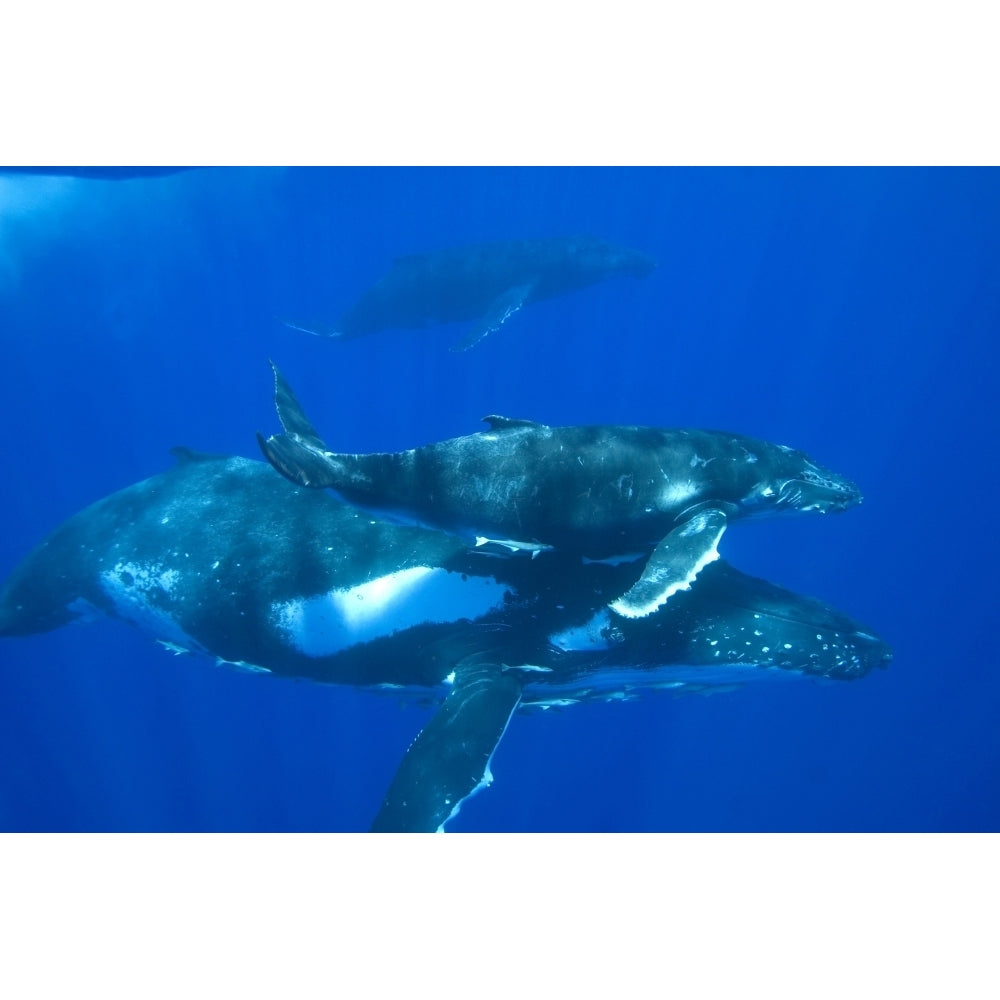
601,492
222,557
484,283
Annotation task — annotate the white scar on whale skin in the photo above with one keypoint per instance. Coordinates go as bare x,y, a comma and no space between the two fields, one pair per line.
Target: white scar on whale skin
677,493
325,624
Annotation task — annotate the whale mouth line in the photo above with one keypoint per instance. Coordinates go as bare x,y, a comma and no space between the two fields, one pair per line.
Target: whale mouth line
803,494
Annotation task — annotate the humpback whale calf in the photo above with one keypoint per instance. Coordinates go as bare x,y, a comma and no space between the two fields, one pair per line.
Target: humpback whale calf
221,557
603,492
484,283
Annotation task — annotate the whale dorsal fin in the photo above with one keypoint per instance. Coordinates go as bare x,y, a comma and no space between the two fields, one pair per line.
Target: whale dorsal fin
498,423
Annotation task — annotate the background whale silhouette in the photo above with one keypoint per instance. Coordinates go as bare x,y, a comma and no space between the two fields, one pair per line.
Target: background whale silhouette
484,283
221,556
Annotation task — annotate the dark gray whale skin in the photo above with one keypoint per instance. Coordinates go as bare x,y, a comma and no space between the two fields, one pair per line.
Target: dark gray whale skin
600,491
484,283
223,557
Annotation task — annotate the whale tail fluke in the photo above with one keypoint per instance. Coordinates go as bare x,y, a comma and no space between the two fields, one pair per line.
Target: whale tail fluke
299,454
290,412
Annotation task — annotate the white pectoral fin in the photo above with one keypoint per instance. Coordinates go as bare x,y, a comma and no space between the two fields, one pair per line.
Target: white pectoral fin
674,564
501,309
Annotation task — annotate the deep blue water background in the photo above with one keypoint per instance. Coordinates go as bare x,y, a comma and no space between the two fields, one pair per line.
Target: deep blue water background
851,313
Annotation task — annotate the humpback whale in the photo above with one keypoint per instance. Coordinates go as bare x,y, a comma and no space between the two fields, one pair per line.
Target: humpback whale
221,557
484,284
603,492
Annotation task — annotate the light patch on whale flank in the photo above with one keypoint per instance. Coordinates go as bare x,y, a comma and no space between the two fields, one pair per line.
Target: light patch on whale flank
135,590
591,636
144,577
328,623
677,493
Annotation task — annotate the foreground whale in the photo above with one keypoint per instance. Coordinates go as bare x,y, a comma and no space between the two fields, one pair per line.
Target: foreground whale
484,283
603,492
222,557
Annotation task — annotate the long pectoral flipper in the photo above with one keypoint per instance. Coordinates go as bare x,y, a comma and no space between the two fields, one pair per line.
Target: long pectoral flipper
500,310
450,758
674,564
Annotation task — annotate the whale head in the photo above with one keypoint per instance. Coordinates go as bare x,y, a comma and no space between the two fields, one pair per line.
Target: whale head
602,258
815,488
633,263
792,482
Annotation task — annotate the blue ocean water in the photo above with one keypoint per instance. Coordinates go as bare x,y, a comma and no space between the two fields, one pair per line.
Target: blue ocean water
850,313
